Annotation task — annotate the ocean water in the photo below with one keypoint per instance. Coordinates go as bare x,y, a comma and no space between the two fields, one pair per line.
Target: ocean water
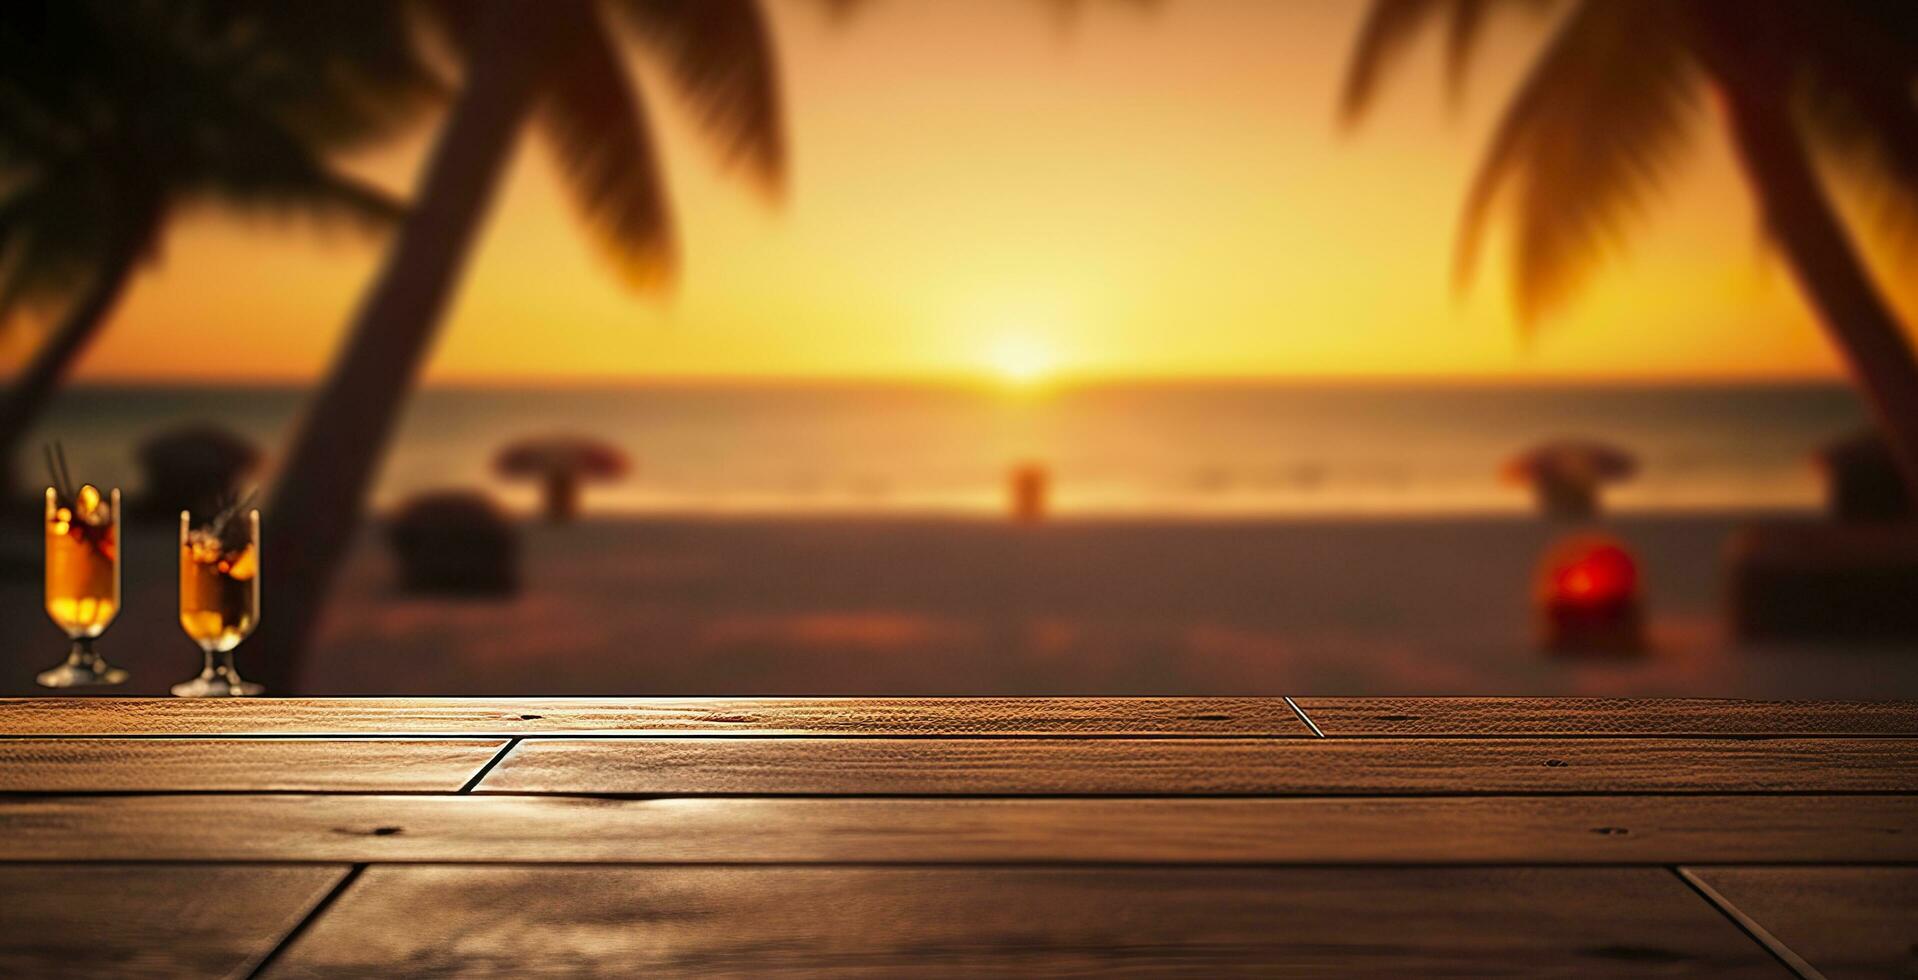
1117,449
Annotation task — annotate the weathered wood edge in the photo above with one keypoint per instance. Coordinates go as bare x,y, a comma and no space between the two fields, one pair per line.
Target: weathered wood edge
353,764
1412,717
677,717
1271,717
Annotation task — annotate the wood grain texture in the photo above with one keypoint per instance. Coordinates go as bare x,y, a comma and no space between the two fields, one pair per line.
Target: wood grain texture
1430,717
1203,767
1361,830
613,921
1846,922
158,765
160,921
1161,717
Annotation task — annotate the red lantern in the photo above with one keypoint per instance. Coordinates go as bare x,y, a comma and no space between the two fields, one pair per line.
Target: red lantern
1588,597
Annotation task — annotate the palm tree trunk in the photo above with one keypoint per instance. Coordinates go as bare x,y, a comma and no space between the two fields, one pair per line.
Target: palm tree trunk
33,389
321,490
1826,262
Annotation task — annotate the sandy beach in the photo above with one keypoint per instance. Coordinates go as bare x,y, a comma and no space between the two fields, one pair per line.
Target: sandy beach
902,606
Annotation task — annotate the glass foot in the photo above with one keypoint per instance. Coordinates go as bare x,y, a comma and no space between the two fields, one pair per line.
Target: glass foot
84,673
217,684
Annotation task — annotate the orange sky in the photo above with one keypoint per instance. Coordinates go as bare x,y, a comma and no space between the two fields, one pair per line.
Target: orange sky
1159,194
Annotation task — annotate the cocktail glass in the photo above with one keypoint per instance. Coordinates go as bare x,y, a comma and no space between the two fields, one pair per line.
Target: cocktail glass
83,582
219,599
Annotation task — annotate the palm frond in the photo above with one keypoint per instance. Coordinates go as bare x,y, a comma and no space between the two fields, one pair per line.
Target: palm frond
44,269
1590,135
113,112
351,197
1461,41
720,55
1873,138
346,74
1390,28
54,232
301,191
600,134
259,162
1392,25
1860,97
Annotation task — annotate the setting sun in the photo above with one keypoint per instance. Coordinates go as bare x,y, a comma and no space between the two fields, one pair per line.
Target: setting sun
1020,360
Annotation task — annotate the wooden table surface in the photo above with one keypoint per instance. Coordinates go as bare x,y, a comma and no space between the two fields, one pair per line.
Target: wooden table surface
1150,836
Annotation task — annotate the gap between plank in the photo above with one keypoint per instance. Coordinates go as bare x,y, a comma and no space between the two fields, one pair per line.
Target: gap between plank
488,767
1309,723
306,922
1749,926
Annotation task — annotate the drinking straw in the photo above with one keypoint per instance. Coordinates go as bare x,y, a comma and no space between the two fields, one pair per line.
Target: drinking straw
219,522
57,471
66,475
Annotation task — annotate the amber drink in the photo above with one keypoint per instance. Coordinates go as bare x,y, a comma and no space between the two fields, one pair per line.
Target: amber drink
83,581
219,599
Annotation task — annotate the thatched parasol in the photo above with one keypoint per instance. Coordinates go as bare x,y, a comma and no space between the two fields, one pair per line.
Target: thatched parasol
561,464
1565,474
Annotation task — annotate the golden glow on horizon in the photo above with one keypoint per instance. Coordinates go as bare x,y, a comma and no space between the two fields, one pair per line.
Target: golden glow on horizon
1156,195
1021,360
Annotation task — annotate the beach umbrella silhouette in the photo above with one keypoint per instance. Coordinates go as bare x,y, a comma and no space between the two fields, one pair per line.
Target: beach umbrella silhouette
194,467
561,464
1565,474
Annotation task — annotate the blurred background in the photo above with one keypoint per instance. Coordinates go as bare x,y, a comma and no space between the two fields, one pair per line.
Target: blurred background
1014,347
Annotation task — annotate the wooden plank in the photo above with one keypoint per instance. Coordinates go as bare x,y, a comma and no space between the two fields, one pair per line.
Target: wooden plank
161,921
1845,922
614,921
74,765
1113,717
669,767
1642,717
1118,717
1301,830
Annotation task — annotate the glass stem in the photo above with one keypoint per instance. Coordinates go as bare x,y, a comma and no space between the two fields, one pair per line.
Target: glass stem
226,667
206,668
82,655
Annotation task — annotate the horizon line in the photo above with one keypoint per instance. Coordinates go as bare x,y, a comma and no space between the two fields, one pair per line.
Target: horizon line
977,380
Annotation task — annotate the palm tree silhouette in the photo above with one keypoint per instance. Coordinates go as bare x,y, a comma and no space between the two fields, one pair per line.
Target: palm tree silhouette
560,65
1607,107
113,116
